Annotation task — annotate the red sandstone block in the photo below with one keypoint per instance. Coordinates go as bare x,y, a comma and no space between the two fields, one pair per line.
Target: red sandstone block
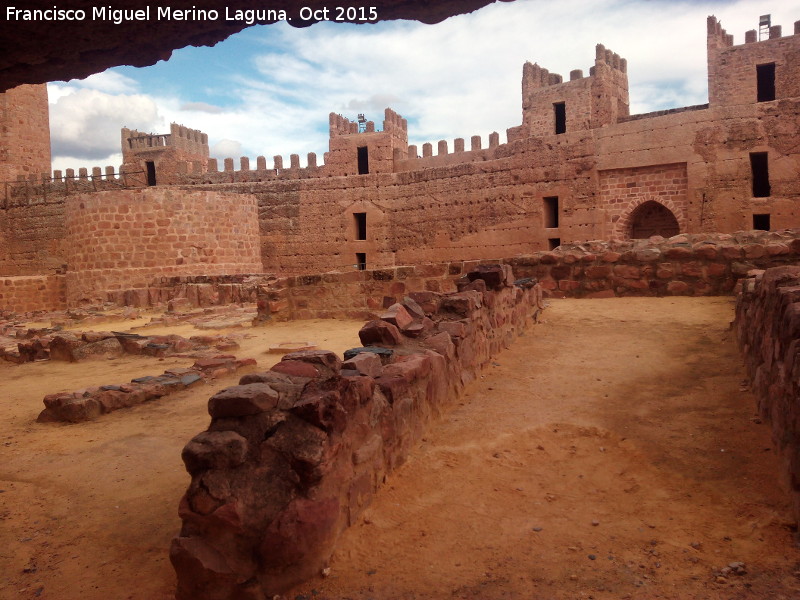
777,249
716,269
753,250
610,256
627,271
707,251
691,269
379,333
568,285
398,316
598,271
677,252
665,271
677,287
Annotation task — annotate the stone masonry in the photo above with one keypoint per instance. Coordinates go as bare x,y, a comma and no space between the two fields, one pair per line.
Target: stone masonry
768,329
294,455
579,167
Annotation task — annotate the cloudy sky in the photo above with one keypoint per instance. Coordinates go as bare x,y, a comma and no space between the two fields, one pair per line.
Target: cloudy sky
269,89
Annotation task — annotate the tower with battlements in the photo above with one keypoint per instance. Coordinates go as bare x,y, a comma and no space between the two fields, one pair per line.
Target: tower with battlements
158,158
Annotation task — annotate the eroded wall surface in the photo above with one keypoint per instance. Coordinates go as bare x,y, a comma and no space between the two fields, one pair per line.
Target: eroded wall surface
124,239
768,329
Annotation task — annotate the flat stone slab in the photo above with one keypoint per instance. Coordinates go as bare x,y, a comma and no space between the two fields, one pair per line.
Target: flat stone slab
287,347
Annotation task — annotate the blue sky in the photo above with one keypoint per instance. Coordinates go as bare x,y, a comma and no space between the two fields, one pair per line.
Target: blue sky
268,90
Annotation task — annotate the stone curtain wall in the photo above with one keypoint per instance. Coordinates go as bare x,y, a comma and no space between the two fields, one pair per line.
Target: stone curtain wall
32,237
125,239
294,455
624,190
768,329
36,292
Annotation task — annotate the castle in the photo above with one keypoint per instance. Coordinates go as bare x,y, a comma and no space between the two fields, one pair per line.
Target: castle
578,167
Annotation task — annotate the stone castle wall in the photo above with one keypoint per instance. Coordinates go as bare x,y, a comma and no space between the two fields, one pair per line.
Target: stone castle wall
32,237
694,163
23,294
124,239
609,175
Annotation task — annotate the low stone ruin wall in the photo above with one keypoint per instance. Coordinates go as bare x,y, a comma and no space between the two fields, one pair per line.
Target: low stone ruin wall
684,265
768,329
90,403
193,291
293,455
75,346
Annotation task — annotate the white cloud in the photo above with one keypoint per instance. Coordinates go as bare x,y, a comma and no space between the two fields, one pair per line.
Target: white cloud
86,123
202,107
227,149
110,82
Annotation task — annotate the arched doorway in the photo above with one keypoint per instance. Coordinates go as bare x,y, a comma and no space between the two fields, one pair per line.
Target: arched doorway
652,218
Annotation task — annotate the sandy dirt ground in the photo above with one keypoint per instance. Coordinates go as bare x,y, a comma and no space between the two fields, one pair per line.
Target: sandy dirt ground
613,452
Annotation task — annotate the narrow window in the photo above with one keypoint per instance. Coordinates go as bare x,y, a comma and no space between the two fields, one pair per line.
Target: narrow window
361,261
551,212
363,160
765,79
761,222
560,110
151,172
361,225
759,167
553,243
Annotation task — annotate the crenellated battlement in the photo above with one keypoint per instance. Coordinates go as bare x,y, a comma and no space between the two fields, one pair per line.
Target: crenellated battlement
340,125
716,34
535,76
393,122
762,69
412,159
720,38
552,106
210,172
604,56
45,188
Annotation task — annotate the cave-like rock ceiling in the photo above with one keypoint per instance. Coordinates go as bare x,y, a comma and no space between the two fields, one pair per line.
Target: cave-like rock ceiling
40,51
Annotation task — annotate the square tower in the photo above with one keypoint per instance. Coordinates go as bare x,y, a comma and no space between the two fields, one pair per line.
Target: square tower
24,133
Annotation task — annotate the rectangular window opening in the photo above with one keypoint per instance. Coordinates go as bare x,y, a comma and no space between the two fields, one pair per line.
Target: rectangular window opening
761,222
361,225
560,110
361,261
759,167
765,80
150,166
363,160
551,212
553,243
